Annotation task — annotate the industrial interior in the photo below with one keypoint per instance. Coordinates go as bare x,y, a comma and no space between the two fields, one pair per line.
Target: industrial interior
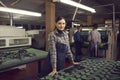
24,38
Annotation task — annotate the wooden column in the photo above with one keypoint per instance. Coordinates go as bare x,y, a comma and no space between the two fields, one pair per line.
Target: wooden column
50,18
89,20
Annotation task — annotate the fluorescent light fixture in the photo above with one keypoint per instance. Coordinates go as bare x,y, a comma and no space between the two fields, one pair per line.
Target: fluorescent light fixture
76,24
89,29
19,27
86,29
18,11
100,29
75,4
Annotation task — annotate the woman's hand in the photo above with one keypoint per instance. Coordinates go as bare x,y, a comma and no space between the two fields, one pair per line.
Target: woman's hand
75,63
54,71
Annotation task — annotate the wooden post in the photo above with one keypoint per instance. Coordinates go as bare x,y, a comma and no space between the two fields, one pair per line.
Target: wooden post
89,20
50,18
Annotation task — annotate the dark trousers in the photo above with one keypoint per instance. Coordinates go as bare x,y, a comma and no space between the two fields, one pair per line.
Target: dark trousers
93,49
118,52
78,51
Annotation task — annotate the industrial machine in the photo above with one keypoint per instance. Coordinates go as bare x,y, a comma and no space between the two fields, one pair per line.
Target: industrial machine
15,48
12,37
38,38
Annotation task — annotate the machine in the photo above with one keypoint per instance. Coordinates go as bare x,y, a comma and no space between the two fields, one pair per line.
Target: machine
15,48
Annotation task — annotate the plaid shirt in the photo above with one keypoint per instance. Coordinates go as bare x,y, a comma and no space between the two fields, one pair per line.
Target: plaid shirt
61,38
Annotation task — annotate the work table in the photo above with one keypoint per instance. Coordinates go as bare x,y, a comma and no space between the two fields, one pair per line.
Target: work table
89,69
7,64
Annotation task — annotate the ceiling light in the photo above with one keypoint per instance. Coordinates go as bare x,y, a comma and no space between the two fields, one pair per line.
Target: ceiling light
18,11
73,3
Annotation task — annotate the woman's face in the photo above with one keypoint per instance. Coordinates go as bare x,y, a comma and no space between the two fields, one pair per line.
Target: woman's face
61,24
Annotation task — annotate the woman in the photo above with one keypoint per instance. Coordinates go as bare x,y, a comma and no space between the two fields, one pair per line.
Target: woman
58,48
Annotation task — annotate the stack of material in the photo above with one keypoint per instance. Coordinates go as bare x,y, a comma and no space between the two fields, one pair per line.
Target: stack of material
90,69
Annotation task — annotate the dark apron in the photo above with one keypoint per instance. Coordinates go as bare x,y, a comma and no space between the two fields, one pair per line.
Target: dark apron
61,54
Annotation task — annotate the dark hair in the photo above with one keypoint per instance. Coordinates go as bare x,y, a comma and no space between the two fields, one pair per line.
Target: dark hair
95,26
79,26
59,18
